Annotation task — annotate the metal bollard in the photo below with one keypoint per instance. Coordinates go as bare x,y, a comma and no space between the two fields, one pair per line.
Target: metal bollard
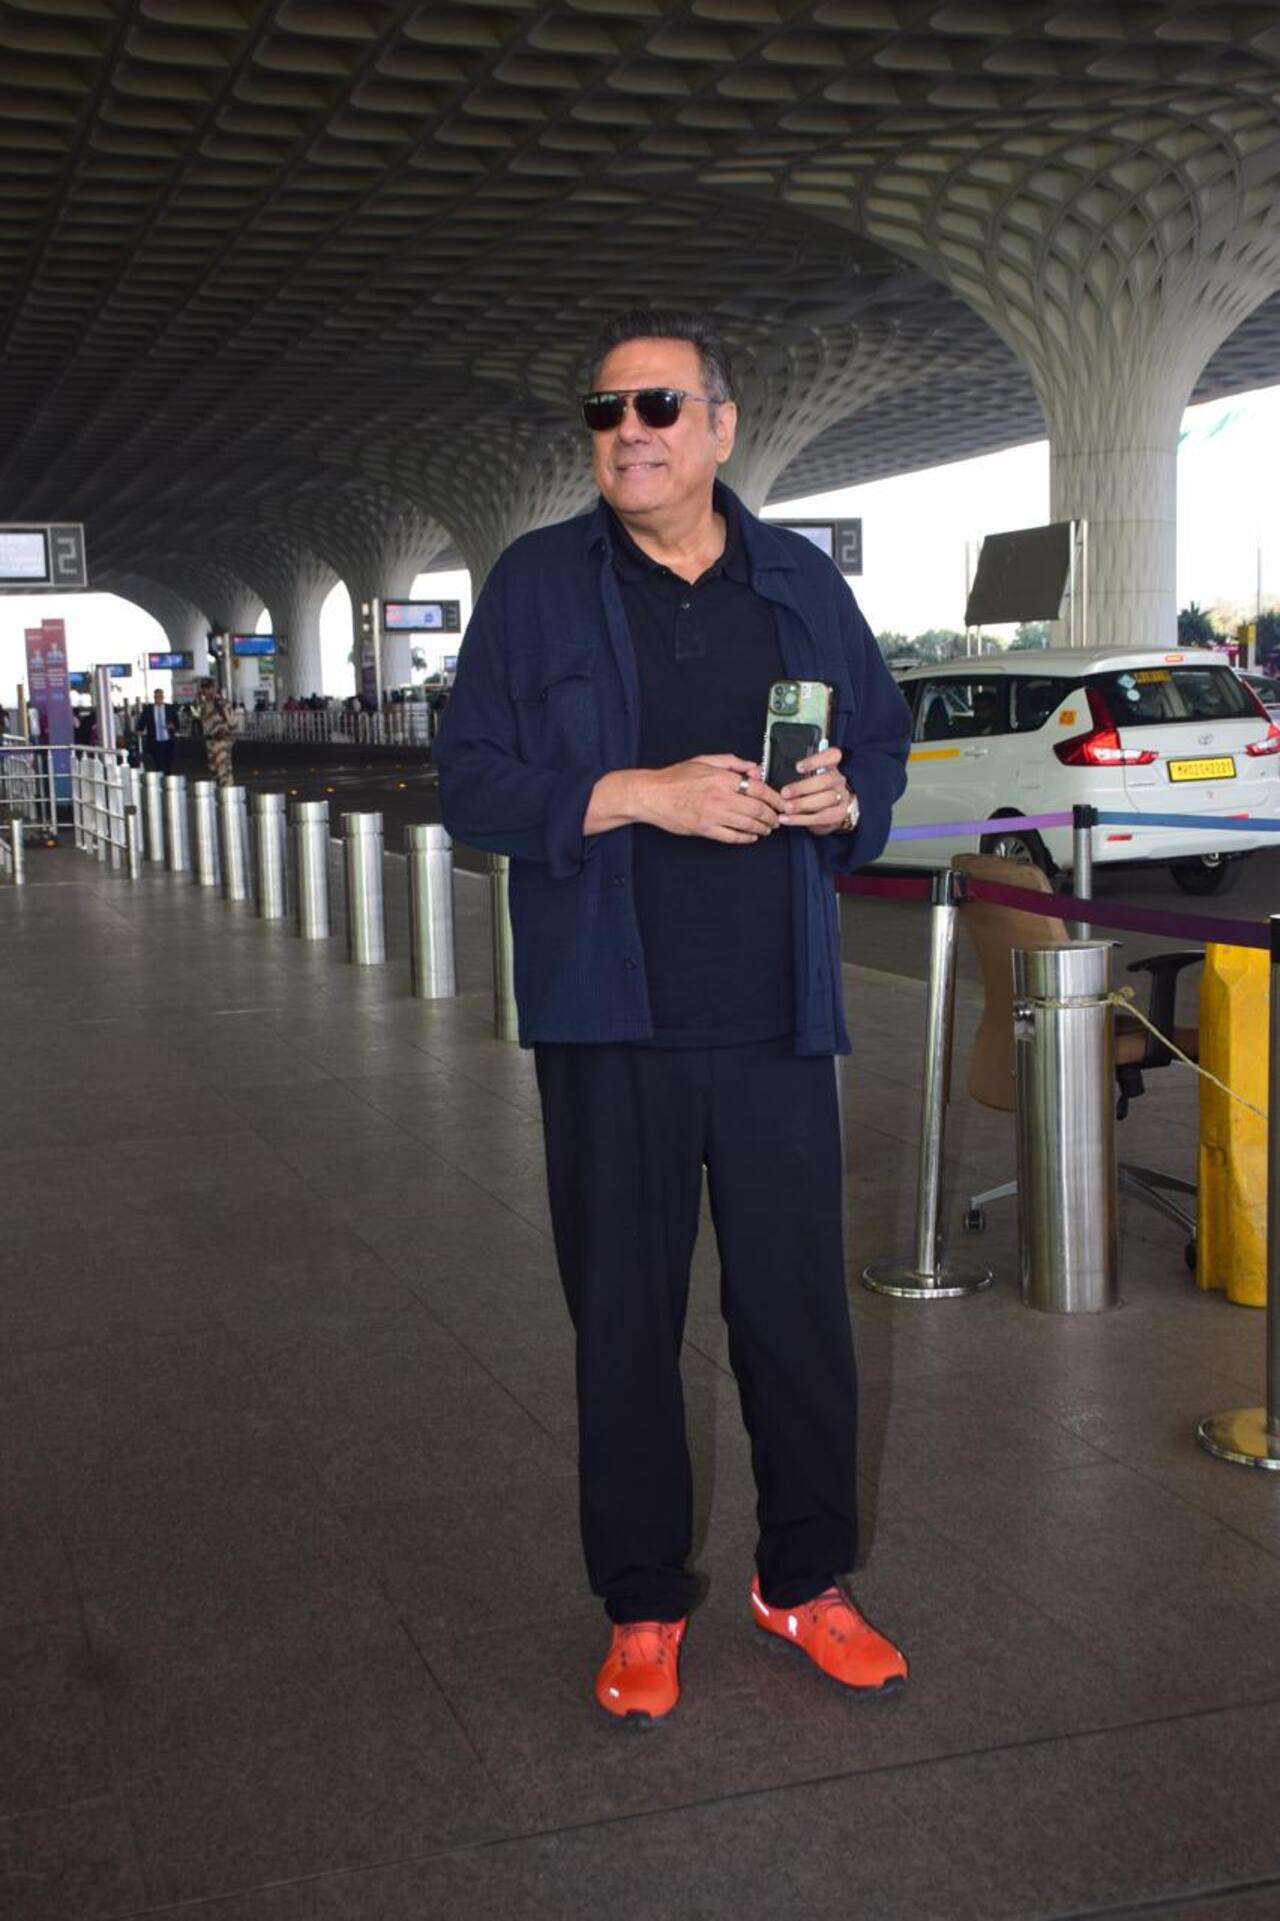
19,853
506,1023
204,833
133,841
233,834
178,846
113,773
926,1276
1064,1066
153,786
309,821
1083,822
362,862
271,848
1250,1436
429,861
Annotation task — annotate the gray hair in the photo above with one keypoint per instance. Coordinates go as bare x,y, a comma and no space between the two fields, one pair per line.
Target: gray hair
669,323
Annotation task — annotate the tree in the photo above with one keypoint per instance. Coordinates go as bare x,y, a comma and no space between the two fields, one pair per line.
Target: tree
939,643
1030,633
891,644
1195,628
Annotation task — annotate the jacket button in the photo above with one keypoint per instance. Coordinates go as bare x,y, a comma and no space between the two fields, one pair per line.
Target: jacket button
619,880
543,694
629,964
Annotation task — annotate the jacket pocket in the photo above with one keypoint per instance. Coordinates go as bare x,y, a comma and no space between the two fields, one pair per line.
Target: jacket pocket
555,700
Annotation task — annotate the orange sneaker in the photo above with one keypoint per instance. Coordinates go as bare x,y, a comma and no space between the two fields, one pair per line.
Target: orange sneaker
640,1680
830,1630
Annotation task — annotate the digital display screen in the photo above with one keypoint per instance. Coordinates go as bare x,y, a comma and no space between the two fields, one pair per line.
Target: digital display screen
120,670
820,532
422,616
161,661
24,554
450,663
79,681
246,646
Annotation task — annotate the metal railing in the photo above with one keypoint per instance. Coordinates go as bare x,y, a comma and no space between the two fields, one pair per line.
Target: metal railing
28,785
404,724
102,785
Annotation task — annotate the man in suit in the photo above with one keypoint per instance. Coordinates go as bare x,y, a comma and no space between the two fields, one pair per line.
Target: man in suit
158,728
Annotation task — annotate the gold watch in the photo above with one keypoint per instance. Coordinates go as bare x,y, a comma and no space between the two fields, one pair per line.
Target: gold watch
850,822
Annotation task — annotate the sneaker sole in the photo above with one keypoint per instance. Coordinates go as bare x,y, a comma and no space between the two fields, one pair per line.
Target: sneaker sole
883,1689
636,1720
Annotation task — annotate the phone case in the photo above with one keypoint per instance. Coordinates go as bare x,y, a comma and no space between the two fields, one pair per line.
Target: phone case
797,724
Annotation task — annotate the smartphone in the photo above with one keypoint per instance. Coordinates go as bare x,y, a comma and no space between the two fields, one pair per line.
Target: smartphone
797,724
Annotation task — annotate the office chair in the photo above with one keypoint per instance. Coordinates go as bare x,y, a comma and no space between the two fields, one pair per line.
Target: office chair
995,931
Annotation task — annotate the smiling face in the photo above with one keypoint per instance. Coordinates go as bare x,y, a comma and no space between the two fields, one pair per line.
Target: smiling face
661,477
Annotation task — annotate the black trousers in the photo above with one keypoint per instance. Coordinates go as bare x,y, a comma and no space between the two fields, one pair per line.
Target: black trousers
158,754
628,1131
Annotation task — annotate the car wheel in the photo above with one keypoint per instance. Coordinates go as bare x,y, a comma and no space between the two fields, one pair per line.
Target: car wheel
1206,873
1017,843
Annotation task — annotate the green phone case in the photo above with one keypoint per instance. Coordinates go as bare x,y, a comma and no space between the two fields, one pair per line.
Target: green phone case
797,724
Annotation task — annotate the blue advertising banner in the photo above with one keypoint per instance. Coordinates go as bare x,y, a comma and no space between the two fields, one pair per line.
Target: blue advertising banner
49,686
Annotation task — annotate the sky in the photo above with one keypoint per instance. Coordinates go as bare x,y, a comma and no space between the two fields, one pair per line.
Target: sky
914,533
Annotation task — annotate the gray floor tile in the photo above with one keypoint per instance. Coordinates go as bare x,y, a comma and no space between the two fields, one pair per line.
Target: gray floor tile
52,1745
74,1863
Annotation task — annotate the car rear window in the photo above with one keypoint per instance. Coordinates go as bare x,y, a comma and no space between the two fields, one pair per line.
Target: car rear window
1154,696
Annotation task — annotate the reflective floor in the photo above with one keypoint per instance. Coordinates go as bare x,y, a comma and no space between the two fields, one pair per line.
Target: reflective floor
292,1624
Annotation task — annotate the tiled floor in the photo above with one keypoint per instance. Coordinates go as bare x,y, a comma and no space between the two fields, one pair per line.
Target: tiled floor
292,1626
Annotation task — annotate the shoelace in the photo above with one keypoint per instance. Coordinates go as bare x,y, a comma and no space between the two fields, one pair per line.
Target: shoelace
645,1641
834,1601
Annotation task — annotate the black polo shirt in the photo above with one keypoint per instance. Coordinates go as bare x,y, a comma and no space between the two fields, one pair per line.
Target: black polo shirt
715,919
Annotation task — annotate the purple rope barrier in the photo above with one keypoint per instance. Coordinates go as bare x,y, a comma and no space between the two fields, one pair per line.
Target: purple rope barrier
1130,920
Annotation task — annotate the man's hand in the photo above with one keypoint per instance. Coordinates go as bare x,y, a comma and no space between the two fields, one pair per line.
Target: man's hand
716,796
820,802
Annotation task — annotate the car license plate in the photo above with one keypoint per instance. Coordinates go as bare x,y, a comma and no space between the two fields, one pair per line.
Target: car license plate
1222,768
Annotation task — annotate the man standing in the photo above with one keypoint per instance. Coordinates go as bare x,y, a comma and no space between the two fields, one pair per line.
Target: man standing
218,728
158,727
678,976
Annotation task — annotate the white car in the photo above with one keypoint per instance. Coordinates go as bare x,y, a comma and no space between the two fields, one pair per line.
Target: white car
1002,735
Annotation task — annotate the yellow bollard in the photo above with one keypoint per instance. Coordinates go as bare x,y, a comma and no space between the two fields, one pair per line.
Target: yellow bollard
1231,1230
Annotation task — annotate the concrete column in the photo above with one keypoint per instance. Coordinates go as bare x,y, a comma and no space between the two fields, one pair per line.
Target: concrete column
1114,261
295,612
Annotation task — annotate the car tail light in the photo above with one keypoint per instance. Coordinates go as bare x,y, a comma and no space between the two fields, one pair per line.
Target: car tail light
1269,744
1100,747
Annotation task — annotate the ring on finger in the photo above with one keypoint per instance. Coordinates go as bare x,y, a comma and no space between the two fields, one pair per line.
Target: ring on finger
744,783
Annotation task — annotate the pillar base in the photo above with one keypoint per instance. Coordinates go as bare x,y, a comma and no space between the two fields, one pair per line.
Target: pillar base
1241,1436
904,1281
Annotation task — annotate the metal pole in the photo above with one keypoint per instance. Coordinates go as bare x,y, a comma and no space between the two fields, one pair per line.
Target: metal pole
153,786
204,833
133,841
1083,822
506,1024
233,832
1250,1436
362,861
19,854
114,777
1064,1070
104,707
178,847
926,1275
271,847
429,862
99,775
309,820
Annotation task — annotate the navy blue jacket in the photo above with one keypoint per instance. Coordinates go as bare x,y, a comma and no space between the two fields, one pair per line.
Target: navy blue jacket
546,701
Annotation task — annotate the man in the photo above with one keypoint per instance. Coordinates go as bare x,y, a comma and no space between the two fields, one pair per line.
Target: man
678,976
218,727
158,728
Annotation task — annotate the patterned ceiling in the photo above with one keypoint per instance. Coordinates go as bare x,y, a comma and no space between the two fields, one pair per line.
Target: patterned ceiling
298,290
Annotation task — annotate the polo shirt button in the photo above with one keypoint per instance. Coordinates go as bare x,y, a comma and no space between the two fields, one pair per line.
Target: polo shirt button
685,605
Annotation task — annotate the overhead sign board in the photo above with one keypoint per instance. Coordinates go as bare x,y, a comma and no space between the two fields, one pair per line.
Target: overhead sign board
50,555
840,540
159,662
422,616
1021,575
247,646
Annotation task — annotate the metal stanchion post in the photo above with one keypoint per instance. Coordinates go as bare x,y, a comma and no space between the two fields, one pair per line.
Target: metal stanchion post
362,864
133,841
19,854
204,833
429,862
926,1276
153,785
1250,1436
115,797
177,842
271,846
506,1025
309,820
1083,822
99,806
233,834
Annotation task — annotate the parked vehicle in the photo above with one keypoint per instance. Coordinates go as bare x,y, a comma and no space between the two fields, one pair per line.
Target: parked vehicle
1267,690
1143,732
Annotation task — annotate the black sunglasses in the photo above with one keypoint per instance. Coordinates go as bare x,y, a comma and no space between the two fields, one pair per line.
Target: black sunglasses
655,406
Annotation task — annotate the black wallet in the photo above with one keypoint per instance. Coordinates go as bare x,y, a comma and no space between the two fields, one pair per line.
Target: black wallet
789,741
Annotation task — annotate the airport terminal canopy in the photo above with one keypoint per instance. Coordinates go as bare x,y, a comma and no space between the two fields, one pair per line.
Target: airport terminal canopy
299,291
